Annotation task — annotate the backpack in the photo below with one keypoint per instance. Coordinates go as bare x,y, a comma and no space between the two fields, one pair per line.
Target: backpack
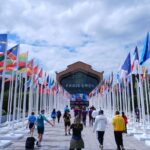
53,115
30,143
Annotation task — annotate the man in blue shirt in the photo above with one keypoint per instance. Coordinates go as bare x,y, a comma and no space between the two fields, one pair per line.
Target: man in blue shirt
31,123
40,126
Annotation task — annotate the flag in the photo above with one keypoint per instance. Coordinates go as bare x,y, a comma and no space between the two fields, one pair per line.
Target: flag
12,53
135,59
3,42
40,73
126,67
143,72
3,46
28,82
30,67
35,69
11,60
23,59
50,83
146,50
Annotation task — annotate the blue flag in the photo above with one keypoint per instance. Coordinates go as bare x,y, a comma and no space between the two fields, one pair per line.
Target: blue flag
28,83
146,50
127,64
3,42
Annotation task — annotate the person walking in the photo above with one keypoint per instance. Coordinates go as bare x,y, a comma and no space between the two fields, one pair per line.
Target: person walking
94,114
76,140
66,108
90,117
119,126
31,123
84,114
125,120
67,122
54,115
58,115
40,126
100,126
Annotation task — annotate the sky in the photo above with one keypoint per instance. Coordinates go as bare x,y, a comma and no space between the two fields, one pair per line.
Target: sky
57,33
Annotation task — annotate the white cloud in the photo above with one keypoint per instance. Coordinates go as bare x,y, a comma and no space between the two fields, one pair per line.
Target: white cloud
101,32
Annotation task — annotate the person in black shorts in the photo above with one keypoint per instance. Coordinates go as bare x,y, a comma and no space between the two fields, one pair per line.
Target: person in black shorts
31,123
67,121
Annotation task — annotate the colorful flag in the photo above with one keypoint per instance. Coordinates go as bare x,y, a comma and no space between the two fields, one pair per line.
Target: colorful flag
126,67
28,82
23,59
30,67
3,46
40,73
146,50
35,69
135,59
3,43
12,53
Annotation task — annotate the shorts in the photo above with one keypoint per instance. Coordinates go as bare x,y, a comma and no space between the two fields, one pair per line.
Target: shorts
78,144
67,124
53,118
40,130
31,125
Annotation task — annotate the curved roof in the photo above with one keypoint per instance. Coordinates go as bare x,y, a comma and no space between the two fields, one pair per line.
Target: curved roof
79,66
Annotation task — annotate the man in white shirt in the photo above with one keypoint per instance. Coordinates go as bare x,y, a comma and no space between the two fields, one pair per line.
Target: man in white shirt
100,126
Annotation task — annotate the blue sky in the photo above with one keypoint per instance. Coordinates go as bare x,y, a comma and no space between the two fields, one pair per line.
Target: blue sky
60,32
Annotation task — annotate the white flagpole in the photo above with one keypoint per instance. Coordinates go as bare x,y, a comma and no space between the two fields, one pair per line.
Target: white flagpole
15,92
18,108
37,99
147,104
142,100
132,96
25,95
11,97
120,98
30,103
8,103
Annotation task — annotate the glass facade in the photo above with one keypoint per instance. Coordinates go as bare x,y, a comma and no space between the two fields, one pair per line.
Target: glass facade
79,82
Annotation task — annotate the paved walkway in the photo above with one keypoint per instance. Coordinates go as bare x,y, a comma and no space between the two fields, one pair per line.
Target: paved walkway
54,139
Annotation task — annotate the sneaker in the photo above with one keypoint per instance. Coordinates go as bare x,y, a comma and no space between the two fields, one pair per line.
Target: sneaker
101,146
65,133
69,133
39,145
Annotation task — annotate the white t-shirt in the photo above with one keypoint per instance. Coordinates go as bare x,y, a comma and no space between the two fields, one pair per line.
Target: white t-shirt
100,123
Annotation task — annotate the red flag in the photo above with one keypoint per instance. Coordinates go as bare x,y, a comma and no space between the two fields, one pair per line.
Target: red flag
40,73
30,67
35,69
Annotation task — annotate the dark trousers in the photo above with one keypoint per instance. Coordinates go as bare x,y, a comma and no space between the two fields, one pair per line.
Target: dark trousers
58,118
100,136
118,139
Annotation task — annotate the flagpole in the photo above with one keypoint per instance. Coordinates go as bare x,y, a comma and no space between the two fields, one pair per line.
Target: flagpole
142,100
25,93
147,104
132,96
30,103
138,97
8,102
11,95
15,92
